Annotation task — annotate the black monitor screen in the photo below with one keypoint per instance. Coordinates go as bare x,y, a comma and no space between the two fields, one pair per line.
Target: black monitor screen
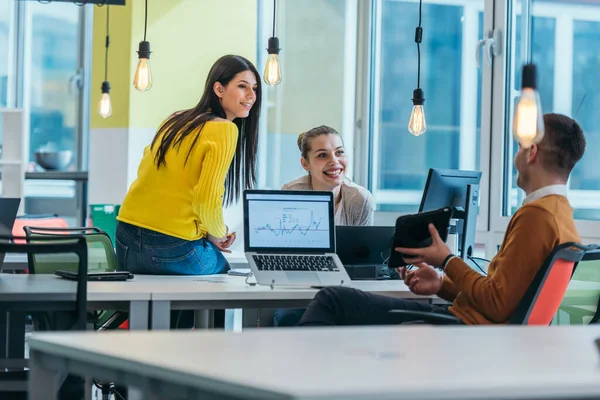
447,188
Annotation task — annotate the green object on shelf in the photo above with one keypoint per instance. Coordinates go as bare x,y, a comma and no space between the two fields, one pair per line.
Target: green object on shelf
104,216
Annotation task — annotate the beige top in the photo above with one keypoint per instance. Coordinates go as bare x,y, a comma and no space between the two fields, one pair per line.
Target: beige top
357,204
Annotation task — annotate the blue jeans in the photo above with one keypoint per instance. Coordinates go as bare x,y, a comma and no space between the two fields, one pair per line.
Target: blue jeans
143,251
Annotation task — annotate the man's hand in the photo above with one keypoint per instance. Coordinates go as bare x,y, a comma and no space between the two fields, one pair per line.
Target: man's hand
434,255
424,281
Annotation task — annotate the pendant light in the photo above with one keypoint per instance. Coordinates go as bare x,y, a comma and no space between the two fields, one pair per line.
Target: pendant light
416,123
272,75
104,106
528,123
142,79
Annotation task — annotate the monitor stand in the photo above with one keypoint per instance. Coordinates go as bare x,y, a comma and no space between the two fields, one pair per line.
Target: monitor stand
467,241
466,224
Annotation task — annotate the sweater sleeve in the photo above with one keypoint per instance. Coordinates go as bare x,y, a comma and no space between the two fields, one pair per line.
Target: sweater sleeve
449,291
220,140
514,267
367,216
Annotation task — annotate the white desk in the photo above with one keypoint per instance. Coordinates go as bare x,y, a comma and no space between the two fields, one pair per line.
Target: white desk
18,262
414,362
20,294
226,292
22,291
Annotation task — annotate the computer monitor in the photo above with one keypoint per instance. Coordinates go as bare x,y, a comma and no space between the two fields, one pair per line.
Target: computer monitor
458,189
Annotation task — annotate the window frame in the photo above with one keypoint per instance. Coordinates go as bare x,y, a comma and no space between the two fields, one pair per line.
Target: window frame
495,133
370,75
501,135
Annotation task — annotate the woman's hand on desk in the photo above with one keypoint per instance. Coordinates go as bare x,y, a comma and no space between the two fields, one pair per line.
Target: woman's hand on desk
223,243
424,280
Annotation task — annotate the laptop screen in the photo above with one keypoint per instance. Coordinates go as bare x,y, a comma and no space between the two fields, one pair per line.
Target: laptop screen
296,221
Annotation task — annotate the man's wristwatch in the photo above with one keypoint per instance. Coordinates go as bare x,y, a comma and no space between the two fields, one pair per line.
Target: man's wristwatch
446,261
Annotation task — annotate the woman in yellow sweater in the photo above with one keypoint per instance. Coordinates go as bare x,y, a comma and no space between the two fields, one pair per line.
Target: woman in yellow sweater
171,220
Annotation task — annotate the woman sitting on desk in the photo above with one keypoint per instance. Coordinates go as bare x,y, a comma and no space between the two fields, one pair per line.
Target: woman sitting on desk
171,221
325,159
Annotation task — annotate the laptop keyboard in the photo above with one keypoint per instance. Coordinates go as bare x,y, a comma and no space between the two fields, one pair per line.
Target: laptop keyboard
295,263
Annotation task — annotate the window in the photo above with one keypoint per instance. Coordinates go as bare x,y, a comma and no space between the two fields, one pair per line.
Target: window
53,90
452,85
565,36
318,41
7,62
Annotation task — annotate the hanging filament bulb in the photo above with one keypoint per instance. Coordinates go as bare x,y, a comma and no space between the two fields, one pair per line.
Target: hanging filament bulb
142,79
528,123
272,75
104,106
416,124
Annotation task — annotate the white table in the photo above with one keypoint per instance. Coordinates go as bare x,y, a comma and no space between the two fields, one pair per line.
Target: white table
18,262
20,294
228,292
412,362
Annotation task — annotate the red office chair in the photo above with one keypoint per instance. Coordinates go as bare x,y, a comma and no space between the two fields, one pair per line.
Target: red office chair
542,298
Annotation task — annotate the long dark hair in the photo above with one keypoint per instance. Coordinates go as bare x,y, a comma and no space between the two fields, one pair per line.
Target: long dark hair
181,124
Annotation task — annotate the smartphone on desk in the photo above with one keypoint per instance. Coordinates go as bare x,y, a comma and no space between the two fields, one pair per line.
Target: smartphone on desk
412,231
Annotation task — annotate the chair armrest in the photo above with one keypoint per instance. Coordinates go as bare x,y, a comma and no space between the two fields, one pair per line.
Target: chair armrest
426,317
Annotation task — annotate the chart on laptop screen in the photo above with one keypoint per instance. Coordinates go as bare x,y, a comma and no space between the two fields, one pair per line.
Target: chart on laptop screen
288,224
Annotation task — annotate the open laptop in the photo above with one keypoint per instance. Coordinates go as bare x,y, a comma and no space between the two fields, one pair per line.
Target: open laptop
9,207
364,250
289,238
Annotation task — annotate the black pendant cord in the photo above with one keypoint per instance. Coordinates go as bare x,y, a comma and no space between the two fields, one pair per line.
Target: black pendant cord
145,19
418,38
274,15
107,44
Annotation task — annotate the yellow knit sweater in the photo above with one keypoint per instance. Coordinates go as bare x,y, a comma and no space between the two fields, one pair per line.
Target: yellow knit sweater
534,230
184,199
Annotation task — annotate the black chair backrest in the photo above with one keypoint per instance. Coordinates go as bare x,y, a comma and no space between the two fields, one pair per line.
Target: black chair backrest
545,293
55,245
54,231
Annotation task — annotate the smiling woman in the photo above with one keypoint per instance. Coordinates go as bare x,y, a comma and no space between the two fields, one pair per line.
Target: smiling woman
171,221
325,160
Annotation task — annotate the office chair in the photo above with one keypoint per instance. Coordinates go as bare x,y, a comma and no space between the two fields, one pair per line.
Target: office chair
15,380
98,243
542,298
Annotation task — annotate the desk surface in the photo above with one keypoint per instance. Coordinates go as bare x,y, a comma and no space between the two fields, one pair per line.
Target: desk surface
17,262
418,362
24,287
226,287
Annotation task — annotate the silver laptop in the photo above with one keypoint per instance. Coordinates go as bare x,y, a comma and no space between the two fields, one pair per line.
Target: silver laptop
289,238
9,207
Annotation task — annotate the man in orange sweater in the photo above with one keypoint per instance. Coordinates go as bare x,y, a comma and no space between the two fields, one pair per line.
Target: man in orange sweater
544,221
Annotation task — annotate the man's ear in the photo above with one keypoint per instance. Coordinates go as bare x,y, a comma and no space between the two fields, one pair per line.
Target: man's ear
304,164
532,153
218,89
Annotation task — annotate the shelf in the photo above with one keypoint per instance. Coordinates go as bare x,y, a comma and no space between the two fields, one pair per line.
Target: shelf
57,175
